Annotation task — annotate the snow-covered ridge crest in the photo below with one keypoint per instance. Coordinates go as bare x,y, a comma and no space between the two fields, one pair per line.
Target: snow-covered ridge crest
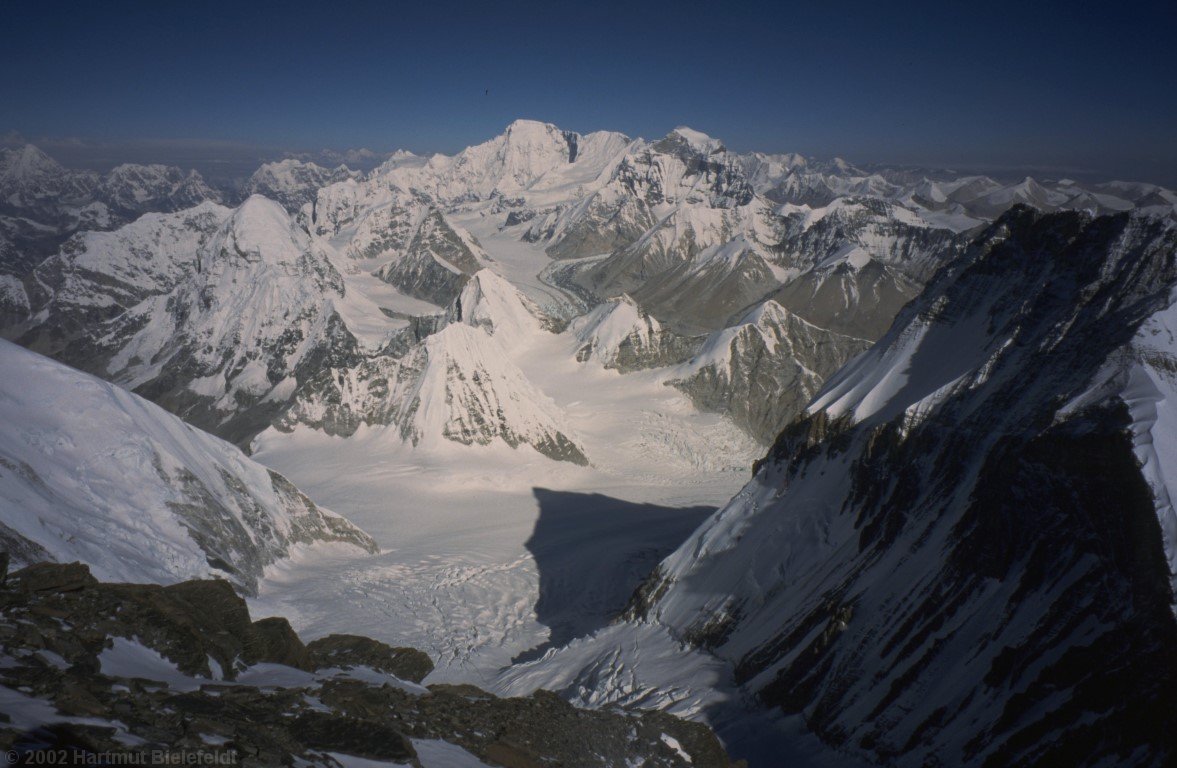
134,492
966,501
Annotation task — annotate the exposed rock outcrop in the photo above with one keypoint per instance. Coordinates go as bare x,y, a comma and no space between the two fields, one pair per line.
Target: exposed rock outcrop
129,669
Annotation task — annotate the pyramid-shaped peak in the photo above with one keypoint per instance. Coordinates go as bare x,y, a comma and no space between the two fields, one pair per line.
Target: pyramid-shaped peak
491,303
27,161
259,231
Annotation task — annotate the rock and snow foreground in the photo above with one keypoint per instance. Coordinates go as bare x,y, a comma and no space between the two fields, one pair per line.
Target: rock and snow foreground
183,670
91,472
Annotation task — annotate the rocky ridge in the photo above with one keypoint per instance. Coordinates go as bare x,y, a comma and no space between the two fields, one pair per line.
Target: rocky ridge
128,669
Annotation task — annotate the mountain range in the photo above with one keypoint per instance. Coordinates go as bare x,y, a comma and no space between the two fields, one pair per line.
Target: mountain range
957,547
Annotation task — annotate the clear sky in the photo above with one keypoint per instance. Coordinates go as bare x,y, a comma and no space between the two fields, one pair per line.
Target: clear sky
1052,85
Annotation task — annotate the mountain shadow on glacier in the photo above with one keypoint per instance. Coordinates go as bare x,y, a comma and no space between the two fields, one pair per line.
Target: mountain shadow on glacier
591,552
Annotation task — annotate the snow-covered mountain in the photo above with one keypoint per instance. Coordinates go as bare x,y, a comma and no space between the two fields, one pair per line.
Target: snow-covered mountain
226,348
97,276
765,369
409,241
43,203
959,550
696,235
129,190
622,335
457,384
963,553
91,472
217,315
294,183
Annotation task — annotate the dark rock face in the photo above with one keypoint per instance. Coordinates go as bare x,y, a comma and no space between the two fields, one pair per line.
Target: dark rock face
435,264
57,623
964,570
275,641
347,651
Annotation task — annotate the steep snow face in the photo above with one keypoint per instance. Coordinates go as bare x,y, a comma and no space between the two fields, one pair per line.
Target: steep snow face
470,392
458,385
1144,377
1150,390
226,348
489,302
294,183
765,369
955,554
619,334
117,483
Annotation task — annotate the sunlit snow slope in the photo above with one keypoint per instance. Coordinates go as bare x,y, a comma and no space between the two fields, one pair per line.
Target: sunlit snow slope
91,472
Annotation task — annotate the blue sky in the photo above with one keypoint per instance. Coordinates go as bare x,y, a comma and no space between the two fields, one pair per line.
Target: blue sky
1071,86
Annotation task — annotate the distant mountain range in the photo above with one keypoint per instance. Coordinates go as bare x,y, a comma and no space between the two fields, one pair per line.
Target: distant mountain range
960,545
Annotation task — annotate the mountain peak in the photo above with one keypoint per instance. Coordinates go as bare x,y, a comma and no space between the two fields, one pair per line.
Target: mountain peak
259,230
523,126
489,302
471,393
696,140
27,162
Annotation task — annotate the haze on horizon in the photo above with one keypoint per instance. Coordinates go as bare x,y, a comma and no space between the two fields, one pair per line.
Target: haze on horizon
1065,89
